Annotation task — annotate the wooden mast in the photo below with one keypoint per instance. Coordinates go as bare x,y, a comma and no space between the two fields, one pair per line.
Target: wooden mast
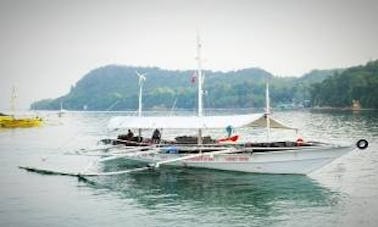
142,78
200,89
267,111
13,100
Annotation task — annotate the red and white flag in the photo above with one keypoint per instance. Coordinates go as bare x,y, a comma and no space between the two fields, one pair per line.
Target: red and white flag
193,79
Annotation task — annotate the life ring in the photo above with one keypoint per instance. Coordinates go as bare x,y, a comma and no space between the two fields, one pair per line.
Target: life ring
362,144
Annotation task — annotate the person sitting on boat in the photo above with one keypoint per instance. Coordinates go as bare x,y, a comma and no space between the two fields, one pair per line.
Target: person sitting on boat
129,135
156,136
229,131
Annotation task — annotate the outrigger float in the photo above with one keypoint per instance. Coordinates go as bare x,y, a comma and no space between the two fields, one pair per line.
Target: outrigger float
280,157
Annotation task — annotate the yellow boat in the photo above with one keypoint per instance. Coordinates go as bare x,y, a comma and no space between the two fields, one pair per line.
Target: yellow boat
21,123
11,122
5,117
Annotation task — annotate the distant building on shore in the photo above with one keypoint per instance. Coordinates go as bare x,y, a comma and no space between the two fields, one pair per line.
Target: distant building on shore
356,105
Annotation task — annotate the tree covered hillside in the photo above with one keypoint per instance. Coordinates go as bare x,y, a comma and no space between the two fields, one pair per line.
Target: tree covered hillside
115,87
355,83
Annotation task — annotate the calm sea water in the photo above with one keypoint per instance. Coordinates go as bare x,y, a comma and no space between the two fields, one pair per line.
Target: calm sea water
344,193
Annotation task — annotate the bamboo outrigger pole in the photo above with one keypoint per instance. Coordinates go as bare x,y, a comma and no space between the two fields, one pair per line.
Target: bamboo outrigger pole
121,172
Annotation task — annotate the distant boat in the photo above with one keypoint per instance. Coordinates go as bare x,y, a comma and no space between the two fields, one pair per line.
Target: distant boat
24,122
61,111
12,121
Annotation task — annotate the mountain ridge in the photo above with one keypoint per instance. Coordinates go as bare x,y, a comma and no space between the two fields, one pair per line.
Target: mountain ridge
101,87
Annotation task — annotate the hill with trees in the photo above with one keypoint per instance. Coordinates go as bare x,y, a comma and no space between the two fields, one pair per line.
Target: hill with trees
115,87
358,83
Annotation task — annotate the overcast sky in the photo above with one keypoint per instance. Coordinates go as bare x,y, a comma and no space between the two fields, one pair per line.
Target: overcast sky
46,46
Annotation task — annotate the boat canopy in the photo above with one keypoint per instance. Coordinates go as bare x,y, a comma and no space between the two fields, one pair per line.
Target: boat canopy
262,123
191,122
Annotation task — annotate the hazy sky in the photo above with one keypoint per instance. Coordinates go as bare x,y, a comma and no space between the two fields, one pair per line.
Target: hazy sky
46,46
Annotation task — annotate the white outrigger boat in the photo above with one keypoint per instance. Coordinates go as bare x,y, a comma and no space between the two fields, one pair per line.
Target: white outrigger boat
286,157
283,157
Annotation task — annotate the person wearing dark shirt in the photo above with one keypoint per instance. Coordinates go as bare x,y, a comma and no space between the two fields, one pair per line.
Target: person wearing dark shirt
156,136
130,135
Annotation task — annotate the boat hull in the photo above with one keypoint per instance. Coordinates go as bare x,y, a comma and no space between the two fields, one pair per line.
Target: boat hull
296,161
20,123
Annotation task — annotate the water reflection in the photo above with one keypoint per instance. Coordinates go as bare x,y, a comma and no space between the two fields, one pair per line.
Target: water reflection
219,195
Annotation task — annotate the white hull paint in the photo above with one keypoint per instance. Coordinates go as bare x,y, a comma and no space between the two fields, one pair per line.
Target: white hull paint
298,161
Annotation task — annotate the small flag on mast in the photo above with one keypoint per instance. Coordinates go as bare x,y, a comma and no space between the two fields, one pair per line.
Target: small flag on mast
193,79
